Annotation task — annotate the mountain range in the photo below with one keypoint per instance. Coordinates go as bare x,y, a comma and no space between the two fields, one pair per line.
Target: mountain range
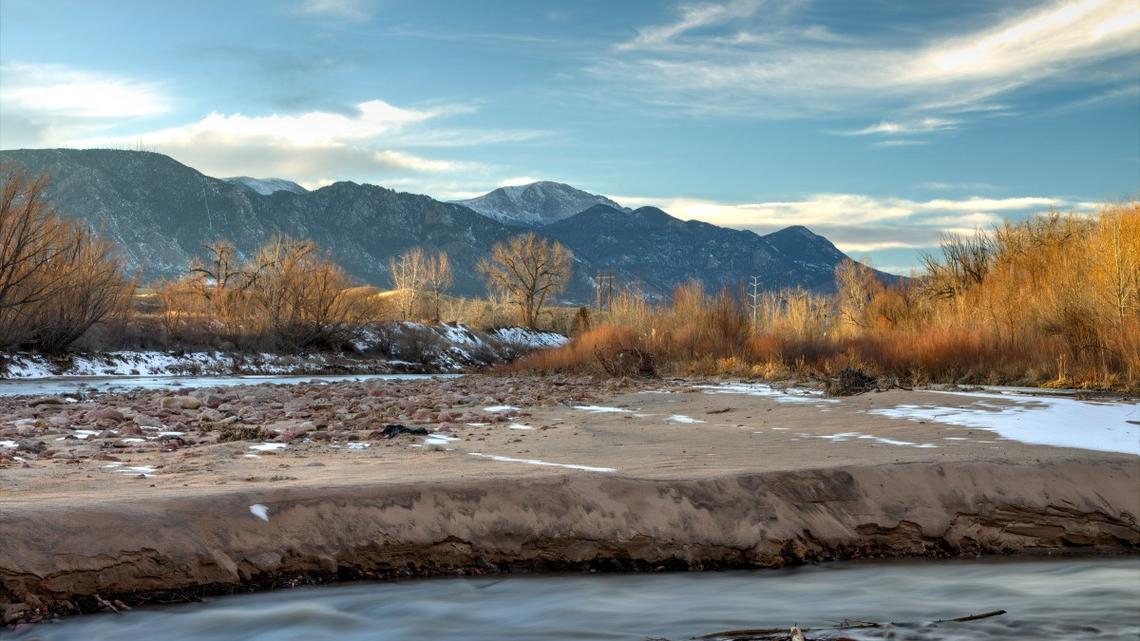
163,213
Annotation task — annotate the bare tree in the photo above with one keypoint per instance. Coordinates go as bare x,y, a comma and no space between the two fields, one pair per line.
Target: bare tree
528,270
57,279
409,273
439,279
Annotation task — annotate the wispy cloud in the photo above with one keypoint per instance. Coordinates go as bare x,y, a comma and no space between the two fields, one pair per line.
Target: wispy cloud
713,60
349,10
307,147
895,128
53,101
860,222
692,17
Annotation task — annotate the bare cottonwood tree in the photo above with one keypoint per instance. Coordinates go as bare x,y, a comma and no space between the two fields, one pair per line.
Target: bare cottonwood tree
528,270
57,279
409,273
416,275
439,280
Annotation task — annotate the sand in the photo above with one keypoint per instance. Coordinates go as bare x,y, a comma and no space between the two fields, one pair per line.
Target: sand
582,475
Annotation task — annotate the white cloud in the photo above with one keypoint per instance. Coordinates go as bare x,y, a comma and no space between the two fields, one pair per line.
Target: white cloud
892,128
692,17
518,180
783,73
41,102
859,222
350,10
899,142
307,147
54,90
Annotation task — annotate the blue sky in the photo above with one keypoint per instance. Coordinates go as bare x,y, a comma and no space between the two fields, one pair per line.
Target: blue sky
878,124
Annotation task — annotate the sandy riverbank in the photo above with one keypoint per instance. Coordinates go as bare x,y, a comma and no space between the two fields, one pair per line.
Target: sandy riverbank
529,474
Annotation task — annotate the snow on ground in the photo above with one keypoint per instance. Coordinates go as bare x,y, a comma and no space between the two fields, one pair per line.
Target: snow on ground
681,418
846,436
496,409
789,395
523,337
1039,420
600,409
534,461
450,347
260,511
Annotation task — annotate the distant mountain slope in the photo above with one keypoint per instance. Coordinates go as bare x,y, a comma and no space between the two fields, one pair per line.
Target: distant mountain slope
536,204
660,251
163,213
266,186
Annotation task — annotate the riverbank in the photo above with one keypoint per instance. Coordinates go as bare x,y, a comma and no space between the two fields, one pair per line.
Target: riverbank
270,486
389,348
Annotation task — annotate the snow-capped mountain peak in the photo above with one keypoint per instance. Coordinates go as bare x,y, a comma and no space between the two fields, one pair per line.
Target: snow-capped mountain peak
266,186
536,204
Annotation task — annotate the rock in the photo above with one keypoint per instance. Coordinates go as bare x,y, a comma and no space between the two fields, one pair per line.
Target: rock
147,421
46,400
130,429
106,414
180,403
213,402
209,414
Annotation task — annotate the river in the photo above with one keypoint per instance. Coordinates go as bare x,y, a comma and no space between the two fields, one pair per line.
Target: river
1088,599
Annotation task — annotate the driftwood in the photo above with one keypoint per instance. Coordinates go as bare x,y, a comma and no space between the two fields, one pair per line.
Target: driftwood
796,633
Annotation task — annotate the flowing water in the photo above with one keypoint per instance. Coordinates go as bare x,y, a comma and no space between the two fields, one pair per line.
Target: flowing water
108,384
1088,599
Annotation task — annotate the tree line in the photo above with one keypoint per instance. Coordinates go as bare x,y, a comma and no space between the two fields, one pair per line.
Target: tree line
59,279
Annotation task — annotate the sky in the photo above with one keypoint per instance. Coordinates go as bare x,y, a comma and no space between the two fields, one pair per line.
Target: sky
879,124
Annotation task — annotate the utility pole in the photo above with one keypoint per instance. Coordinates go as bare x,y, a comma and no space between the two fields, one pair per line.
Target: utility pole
603,291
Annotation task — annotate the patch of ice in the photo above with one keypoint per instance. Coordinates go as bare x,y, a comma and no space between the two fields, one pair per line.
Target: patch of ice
890,441
260,511
439,439
519,426
10,444
847,436
357,445
599,409
681,418
145,470
267,447
133,439
534,461
1044,420
252,455
495,409
477,424
789,395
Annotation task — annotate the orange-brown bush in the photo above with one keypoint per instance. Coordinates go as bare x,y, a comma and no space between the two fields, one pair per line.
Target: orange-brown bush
57,279
1054,299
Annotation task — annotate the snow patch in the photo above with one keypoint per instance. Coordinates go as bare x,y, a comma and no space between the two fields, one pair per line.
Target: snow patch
534,461
1039,420
260,511
681,418
599,409
788,395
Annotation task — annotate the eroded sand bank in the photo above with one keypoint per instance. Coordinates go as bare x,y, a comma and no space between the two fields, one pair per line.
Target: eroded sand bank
528,475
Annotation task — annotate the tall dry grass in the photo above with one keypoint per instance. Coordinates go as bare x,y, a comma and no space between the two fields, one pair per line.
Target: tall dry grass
1052,300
